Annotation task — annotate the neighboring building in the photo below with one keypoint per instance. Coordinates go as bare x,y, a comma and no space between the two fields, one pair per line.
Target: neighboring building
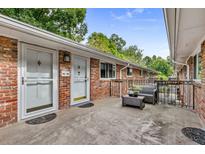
186,36
41,72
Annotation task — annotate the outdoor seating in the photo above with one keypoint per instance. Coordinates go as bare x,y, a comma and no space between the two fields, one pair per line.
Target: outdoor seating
133,101
149,93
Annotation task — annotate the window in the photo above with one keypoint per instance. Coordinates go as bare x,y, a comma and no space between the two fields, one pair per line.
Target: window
129,71
197,66
107,70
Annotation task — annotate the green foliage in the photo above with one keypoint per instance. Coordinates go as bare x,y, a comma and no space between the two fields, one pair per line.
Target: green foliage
133,53
100,41
161,76
162,65
103,43
68,23
118,41
115,45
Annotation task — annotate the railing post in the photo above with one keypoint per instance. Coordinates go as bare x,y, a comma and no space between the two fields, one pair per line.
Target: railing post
157,92
120,89
193,96
110,87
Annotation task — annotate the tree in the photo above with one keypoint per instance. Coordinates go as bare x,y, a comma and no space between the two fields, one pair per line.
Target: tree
103,43
99,41
69,23
161,65
147,61
134,53
131,53
118,41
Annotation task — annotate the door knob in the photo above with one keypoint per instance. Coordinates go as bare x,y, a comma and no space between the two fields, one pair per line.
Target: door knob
22,81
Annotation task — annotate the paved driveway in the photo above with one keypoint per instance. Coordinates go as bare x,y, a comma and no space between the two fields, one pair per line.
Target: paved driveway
107,123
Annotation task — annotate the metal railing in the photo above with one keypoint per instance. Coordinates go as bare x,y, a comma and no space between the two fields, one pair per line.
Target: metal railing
120,87
179,93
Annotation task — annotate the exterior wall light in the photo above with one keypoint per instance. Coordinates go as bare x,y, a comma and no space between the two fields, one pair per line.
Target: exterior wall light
66,57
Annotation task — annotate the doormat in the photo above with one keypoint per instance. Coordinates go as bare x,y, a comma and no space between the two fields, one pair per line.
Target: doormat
41,120
86,105
195,134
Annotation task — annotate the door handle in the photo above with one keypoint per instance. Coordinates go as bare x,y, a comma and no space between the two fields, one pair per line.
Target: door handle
22,80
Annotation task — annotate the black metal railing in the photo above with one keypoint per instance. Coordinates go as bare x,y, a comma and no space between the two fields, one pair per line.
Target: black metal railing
179,93
124,85
173,92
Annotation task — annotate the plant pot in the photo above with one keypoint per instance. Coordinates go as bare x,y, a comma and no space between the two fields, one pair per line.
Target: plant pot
131,93
135,94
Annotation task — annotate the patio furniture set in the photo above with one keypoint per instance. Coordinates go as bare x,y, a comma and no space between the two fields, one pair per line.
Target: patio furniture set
139,96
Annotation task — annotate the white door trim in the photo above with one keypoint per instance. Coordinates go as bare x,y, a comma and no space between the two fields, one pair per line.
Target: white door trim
21,103
72,81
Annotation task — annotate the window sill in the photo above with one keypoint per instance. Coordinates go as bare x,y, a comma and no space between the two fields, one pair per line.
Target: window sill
107,79
129,76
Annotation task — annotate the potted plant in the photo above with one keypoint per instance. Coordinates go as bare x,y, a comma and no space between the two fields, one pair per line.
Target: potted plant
134,91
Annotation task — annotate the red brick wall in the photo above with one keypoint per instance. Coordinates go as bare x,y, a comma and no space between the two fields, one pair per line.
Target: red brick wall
8,81
201,104
98,88
101,88
190,62
64,82
135,75
124,72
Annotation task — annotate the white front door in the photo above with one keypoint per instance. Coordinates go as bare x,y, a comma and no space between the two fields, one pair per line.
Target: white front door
80,80
39,80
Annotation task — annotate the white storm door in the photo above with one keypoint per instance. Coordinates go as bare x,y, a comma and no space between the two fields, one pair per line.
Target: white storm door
39,80
80,86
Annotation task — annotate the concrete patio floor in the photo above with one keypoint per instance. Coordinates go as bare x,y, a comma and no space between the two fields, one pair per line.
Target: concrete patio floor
107,123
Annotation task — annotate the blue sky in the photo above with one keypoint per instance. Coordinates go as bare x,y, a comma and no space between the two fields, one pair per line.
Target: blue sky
142,27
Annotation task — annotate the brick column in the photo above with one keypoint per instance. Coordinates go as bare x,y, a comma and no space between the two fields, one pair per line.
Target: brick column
8,81
64,82
191,67
203,65
201,105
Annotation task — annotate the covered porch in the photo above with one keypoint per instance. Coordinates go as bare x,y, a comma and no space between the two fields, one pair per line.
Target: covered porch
107,122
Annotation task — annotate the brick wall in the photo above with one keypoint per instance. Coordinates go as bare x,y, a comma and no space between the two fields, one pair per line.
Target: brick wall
8,81
190,62
64,82
98,88
101,88
201,104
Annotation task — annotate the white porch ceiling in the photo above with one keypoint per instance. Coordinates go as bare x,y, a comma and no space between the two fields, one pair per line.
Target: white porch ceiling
186,31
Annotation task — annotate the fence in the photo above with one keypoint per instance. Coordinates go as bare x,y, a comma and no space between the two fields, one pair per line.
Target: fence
179,93
120,87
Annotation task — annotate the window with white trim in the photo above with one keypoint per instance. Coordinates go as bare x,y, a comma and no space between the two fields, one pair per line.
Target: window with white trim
197,66
107,70
129,71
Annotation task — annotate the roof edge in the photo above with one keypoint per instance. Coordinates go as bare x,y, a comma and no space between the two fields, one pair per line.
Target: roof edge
66,41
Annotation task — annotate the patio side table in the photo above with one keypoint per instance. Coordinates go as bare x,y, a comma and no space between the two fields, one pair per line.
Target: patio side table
133,101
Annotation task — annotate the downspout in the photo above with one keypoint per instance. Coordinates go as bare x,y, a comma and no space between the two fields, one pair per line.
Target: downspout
121,78
187,67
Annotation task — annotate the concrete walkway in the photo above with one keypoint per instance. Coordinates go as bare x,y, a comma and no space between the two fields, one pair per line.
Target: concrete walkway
107,123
